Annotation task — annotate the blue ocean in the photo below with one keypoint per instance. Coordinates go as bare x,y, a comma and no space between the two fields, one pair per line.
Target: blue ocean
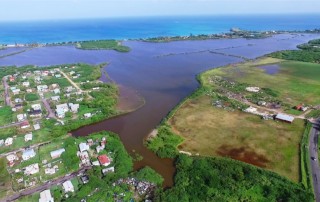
144,27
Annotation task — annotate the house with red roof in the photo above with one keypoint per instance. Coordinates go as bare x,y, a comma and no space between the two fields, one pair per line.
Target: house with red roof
104,160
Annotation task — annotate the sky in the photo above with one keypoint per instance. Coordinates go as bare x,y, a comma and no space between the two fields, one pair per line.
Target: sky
17,10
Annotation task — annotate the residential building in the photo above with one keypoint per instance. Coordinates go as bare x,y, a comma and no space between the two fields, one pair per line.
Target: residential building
68,186
50,171
25,124
61,110
83,147
16,91
104,160
84,179
35,113
8,141
28,154
45,196
42,88
29,90
100,148
36,106
87,115
57,75
31,169
21,117
18,100
26,84
57,153
36,126
74,107
55,98
12,157
1,142
56,91
69,89
28,137
107,170
285,118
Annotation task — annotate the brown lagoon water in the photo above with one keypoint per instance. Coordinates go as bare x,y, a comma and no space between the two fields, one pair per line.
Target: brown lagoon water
163,73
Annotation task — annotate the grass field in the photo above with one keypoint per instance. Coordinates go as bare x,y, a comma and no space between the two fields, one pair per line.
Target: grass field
5,179
296,82
210,131
273,145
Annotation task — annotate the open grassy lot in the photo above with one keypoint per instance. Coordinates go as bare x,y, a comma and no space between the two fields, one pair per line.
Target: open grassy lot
208,130
5,180
6,115
295,82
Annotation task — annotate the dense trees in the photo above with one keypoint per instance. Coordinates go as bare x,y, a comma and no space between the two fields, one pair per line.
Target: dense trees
165,143
310,52
215,179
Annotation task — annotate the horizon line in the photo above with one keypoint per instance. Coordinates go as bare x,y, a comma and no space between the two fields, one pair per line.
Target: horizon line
158,16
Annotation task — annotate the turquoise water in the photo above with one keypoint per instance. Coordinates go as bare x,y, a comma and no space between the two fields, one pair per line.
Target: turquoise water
135,28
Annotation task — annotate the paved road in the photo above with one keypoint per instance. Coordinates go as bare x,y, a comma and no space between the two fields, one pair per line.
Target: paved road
45,186
315,169
48,108
22,149
6,93
73,83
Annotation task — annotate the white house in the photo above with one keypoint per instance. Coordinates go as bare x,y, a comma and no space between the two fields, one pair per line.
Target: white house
55,98
28,154
36,126
87,115
21,117
18,100
29,90
31,169
26,84
63,107
45,196
83,147
57,153
16,91
60,113
58,75
68,186
56,91
42,88
28,137
74,107
61,110
36,106
12,157
8,141
69,89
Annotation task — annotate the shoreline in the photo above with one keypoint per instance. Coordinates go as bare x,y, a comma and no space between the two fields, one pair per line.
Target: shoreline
234,33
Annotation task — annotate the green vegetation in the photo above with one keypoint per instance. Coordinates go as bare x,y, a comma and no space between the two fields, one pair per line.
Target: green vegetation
310,52
214,179
164,144
209,130
313,114
123,166
103,44
6,115
305,167
5,179
32,97
148,174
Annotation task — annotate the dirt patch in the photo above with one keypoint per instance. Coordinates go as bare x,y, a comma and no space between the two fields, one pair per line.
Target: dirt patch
243,154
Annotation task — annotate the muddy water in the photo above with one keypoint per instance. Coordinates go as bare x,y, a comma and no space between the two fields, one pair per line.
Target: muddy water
162,73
